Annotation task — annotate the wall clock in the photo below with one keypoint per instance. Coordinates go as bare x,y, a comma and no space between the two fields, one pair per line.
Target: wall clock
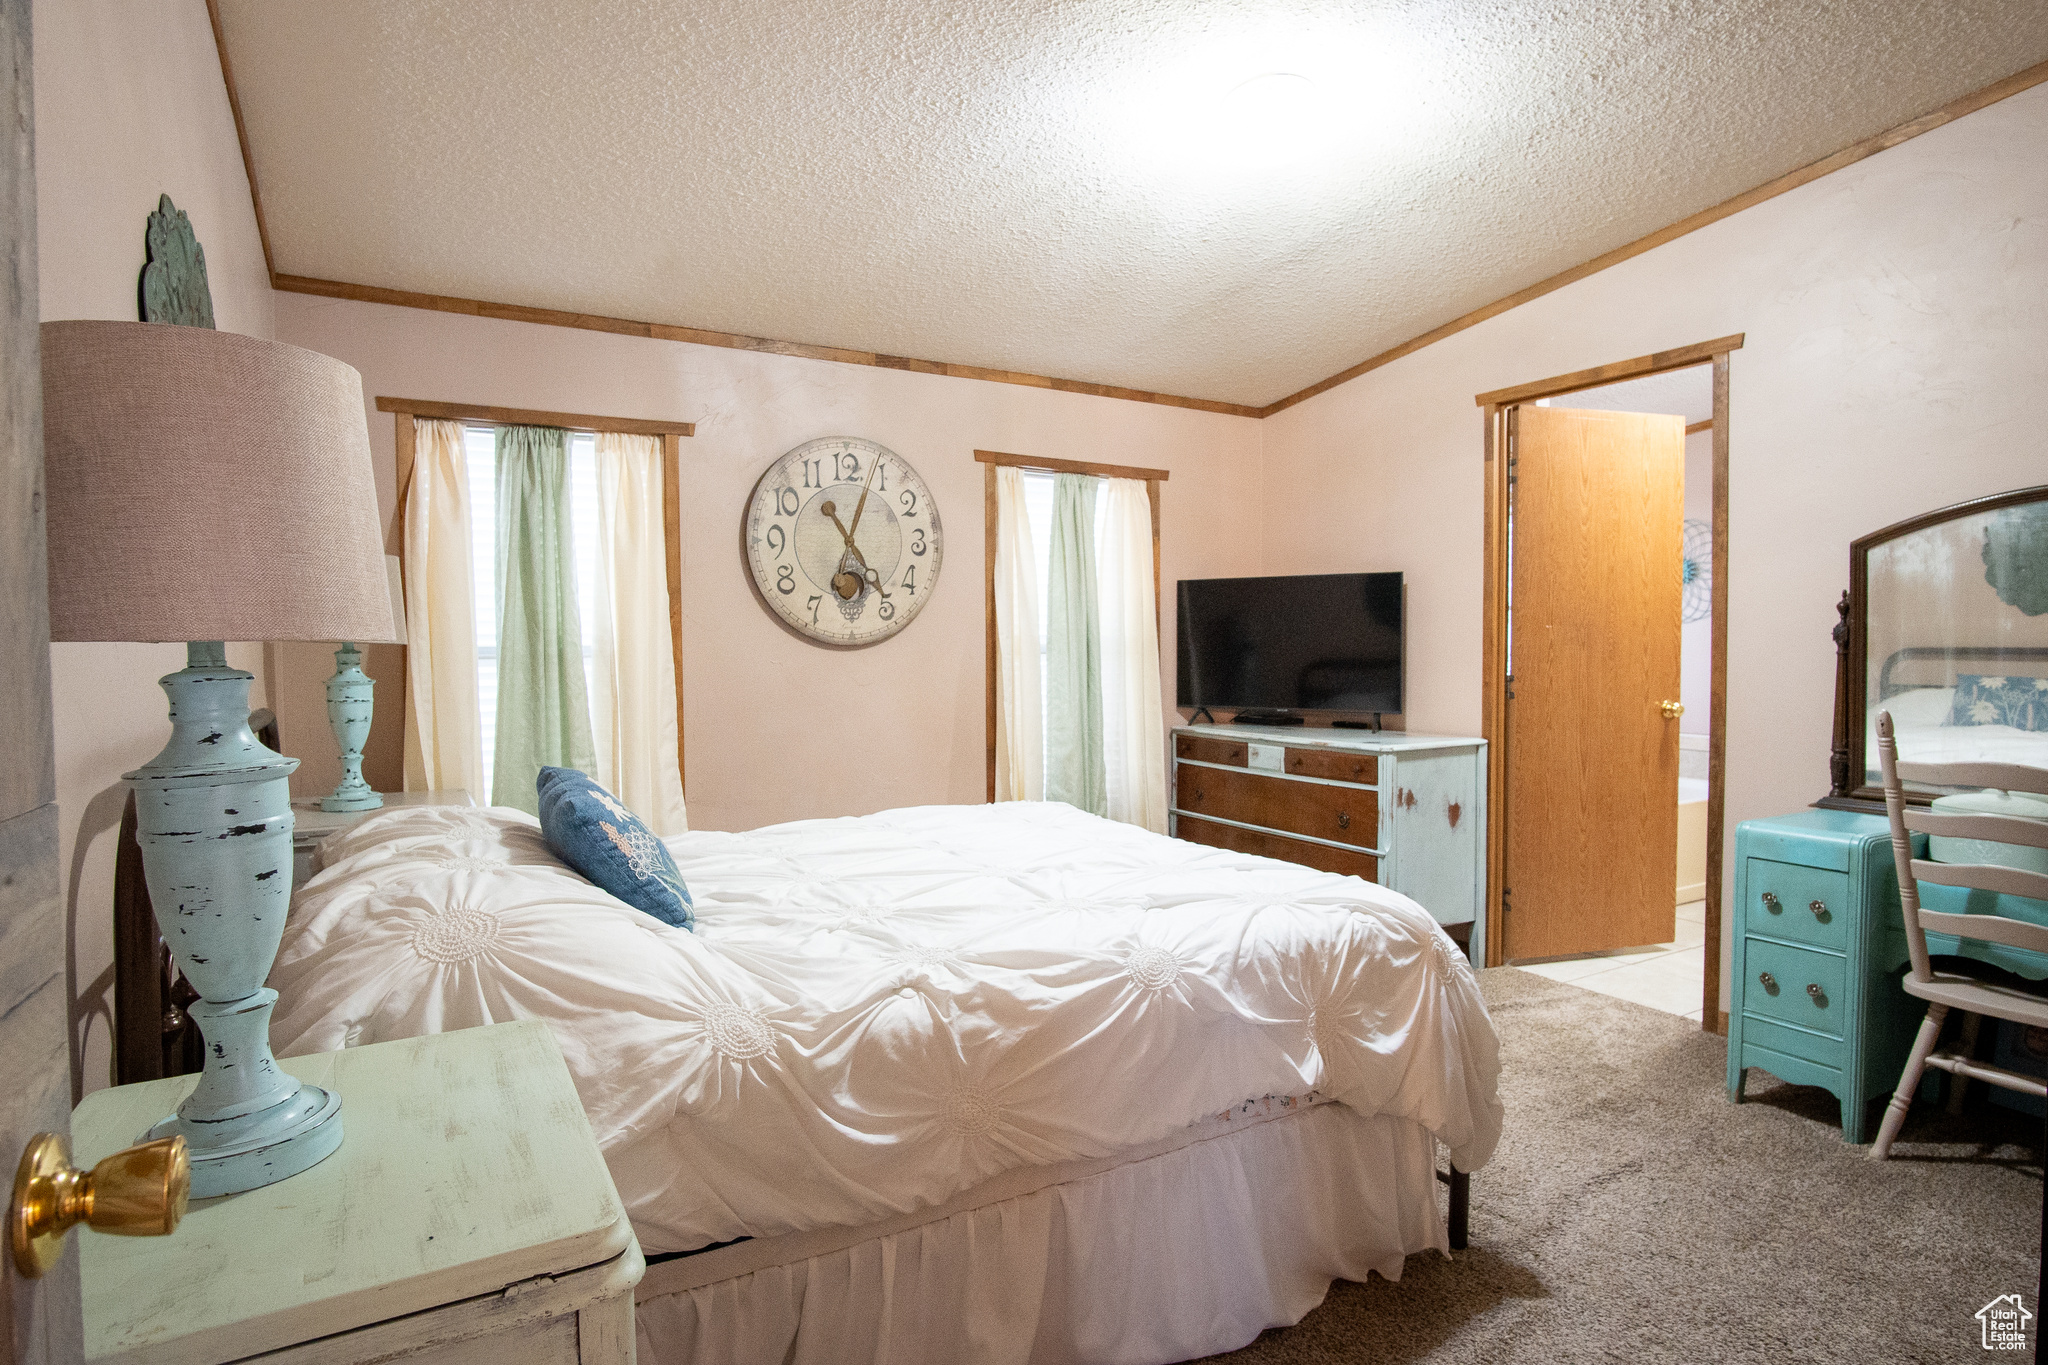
843,541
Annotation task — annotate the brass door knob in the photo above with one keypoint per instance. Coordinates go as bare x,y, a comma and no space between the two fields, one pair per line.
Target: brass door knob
140,1192
1672,709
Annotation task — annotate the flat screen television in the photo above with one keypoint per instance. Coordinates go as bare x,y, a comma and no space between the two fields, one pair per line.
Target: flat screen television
1304,642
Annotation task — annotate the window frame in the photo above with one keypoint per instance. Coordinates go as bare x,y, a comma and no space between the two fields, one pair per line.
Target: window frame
992,460
406,412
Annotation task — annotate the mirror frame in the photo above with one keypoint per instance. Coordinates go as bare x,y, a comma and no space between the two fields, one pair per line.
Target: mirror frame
1847,762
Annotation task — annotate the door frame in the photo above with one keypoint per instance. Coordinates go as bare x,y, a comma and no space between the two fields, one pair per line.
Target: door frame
1493,691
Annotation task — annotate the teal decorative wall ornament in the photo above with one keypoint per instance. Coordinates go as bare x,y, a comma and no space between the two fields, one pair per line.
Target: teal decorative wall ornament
174,287
1696,572
2016,556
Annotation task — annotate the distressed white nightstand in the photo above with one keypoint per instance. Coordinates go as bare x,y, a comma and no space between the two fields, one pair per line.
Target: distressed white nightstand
310,824
467,1218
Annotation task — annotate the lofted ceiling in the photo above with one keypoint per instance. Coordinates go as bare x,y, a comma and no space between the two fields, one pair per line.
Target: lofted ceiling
1227,201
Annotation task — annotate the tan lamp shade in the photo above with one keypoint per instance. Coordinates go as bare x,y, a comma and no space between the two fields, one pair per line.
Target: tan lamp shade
205,485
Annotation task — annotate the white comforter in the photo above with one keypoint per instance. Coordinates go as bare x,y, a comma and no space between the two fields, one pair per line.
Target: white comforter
877,1013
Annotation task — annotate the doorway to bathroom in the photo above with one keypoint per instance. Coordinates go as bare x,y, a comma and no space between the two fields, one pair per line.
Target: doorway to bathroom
1606,632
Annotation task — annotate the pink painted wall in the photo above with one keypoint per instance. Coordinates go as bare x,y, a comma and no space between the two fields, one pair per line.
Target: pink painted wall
129,105
776,728
1896,314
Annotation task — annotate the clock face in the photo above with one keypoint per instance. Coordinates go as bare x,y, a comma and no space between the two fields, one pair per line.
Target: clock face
843,540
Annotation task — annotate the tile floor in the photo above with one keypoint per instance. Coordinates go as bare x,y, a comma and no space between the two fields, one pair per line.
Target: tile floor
1664,976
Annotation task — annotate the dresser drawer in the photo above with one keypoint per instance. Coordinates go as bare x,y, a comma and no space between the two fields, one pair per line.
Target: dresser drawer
1321,857
1783,898
1795,986
1335,764
1347,815
1209,750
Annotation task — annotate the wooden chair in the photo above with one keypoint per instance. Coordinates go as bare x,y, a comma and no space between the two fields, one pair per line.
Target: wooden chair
1946,990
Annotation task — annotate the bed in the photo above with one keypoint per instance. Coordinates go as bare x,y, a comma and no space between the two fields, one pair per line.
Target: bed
1917,685
964,1082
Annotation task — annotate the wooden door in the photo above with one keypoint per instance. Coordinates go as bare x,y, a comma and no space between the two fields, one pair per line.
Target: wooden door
39,1322
1596,506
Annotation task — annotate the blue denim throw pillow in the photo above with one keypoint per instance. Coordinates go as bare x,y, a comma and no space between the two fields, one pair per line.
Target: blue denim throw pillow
592,831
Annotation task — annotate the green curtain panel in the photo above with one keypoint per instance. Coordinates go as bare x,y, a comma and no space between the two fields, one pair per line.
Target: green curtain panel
543,709
1074,770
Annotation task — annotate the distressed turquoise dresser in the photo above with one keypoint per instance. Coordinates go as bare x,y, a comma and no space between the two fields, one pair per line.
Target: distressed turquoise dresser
1814,994
1820,947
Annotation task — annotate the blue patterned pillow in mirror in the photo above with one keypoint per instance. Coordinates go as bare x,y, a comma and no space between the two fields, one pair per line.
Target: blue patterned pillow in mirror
592,831
2021,702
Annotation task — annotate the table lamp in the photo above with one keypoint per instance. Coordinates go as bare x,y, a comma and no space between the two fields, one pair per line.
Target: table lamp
351,703
205,486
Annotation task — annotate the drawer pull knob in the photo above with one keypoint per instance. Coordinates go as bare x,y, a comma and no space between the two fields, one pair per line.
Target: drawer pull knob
1820,997
1819,908
1771,902
1767,981
1343,819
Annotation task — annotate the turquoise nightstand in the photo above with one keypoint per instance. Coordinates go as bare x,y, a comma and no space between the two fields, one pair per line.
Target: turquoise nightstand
1820,946
1814,994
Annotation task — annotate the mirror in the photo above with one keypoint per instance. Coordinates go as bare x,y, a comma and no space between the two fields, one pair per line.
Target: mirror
1946,626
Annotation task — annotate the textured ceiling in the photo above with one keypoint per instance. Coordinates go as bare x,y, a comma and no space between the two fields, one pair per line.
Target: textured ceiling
1083,190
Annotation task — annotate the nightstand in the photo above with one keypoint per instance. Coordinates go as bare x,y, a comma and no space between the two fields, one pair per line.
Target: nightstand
1814,995
467,1217
310,824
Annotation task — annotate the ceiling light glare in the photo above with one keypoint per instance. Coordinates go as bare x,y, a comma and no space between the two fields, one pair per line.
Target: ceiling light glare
1270,107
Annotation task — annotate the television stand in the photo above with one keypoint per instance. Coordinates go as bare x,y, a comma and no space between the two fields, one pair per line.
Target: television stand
1268,718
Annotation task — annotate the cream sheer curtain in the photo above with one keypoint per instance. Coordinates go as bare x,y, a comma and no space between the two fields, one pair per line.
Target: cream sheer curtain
633,705
1020,713
1133,717
443,736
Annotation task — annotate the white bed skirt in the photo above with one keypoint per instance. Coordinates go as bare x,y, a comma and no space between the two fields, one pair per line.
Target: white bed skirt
1192,1248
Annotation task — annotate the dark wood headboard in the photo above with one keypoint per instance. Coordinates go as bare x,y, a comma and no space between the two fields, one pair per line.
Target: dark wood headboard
153,1036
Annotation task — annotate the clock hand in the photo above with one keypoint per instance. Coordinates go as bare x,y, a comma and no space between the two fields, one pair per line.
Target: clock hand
862,505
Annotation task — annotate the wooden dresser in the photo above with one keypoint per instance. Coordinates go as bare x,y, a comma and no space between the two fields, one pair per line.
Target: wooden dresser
1406,811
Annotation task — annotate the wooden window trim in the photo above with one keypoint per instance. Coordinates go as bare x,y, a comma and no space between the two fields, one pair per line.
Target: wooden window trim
996,459
1493,697
405,414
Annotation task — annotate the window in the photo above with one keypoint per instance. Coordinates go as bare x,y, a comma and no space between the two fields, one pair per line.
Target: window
479,448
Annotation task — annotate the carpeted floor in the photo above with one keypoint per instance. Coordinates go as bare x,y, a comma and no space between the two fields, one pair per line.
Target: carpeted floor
1633,1214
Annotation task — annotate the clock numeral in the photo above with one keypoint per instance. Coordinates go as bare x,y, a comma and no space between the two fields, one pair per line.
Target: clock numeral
785,579
812,602
777,539
786,501
882,477
814,469
910,502
917,545
910,580
887,610
852,466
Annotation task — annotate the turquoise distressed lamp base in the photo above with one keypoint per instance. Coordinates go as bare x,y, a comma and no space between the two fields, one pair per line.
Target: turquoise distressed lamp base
233,1146
351,702
214,818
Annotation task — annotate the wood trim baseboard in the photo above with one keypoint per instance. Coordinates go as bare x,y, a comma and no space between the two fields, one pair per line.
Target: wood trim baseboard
1049,466
697,336
1770,189
1657,362
534,417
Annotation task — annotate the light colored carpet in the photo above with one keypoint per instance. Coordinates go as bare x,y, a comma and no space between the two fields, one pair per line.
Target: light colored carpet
1633,1214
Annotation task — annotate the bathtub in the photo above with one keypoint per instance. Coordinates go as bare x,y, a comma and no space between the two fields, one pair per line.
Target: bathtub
1692,839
